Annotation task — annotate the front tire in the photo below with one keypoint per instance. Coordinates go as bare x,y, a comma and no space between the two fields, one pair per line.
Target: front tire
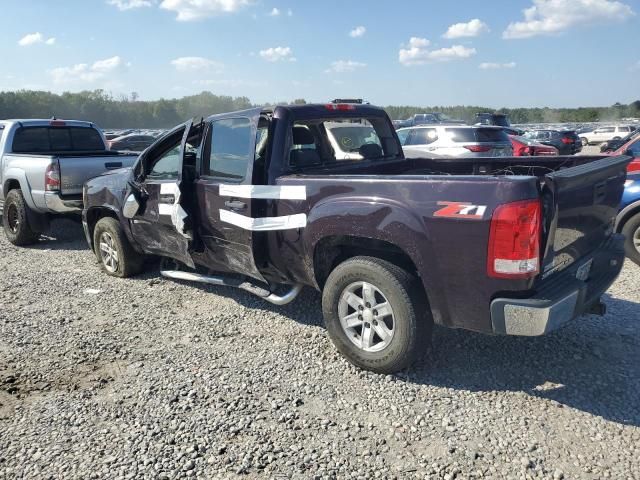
376,314
115,254
585,141
15,220
631,231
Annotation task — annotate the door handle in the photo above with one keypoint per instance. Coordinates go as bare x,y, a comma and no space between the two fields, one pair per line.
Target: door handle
113,165
235,205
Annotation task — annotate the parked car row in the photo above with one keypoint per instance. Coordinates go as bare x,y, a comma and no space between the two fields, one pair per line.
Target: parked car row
331,197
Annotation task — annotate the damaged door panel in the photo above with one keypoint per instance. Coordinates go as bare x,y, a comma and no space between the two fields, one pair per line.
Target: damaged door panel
227,222
161,224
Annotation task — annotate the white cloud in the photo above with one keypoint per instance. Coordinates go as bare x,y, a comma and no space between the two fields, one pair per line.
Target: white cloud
358,32
275,12
342,66
189,10
277,54
130,4
472,28
34,39
548,17
186,64
87,73
496,66
416,52
289,12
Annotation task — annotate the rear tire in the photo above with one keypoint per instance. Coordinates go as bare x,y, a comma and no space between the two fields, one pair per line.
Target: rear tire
15,220
631,231
115,254
585,141
376,314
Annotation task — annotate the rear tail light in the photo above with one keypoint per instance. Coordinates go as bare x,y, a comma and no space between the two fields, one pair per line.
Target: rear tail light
52,178
514,240
634,166
567,140
478,148
527,151
342,107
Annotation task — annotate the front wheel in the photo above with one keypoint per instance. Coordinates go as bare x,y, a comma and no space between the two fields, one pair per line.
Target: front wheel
115,254
15,220
376,314
585,141
631,231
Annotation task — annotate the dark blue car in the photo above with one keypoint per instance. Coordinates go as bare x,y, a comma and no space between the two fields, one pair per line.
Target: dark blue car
628,221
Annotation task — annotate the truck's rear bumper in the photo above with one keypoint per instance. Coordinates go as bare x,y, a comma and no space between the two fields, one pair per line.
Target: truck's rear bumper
561,299
57,204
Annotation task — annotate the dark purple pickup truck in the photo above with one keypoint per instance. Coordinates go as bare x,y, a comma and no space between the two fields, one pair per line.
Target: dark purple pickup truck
322,195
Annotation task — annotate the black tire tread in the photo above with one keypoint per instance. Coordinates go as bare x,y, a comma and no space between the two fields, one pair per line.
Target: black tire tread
25,235
628,230
412,295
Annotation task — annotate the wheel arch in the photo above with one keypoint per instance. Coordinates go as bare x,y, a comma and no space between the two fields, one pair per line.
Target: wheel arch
93,215
332,250
627,213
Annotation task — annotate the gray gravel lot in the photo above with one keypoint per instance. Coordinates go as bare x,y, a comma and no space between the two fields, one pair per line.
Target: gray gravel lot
146,378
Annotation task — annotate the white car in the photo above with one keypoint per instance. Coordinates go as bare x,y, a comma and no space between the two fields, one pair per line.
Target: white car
604,134
455,141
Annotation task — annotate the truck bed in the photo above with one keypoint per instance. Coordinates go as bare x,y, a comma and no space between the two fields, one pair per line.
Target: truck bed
403,201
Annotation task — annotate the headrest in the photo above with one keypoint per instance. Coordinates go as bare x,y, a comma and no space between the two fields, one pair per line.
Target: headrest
302,136
371,150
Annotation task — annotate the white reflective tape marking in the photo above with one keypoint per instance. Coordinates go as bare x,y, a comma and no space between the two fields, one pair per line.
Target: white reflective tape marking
166,188
267,192
264,224
165,209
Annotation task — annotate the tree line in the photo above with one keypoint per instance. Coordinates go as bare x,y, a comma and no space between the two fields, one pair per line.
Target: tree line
129,112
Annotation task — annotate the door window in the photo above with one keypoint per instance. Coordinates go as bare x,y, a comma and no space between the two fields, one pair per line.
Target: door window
164,162
167,166
231,149
635,149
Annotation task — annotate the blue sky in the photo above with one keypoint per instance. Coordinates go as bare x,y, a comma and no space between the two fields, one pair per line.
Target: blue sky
493,53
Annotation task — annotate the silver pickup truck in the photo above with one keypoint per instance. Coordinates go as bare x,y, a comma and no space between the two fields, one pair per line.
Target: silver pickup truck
43,165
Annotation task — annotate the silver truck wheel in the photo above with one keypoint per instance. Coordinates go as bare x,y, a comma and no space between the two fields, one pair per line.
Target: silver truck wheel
366,316
108,252
376,314
113,250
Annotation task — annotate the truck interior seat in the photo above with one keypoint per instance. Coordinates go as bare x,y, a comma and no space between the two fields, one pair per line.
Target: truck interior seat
304,157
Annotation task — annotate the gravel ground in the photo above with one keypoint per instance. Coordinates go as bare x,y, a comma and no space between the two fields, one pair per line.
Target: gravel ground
147,378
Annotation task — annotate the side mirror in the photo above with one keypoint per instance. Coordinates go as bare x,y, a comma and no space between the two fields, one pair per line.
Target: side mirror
131,206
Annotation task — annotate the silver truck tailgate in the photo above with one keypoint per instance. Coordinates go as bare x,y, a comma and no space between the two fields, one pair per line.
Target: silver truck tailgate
75,170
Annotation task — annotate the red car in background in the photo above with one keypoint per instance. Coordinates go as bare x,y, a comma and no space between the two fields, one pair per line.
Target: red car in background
524,147
632,149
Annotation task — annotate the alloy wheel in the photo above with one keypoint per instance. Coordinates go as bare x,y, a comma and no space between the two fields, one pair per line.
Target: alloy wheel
366,317
108,252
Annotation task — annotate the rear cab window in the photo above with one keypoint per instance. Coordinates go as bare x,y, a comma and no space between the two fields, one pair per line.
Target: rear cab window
57,139
335,140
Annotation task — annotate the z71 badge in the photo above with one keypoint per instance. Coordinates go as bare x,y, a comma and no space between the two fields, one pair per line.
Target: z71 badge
461,210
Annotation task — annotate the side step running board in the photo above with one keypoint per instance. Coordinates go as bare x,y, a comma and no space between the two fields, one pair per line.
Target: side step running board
270,297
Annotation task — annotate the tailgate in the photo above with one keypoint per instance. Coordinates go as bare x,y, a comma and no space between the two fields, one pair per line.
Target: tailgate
74,171
580,207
